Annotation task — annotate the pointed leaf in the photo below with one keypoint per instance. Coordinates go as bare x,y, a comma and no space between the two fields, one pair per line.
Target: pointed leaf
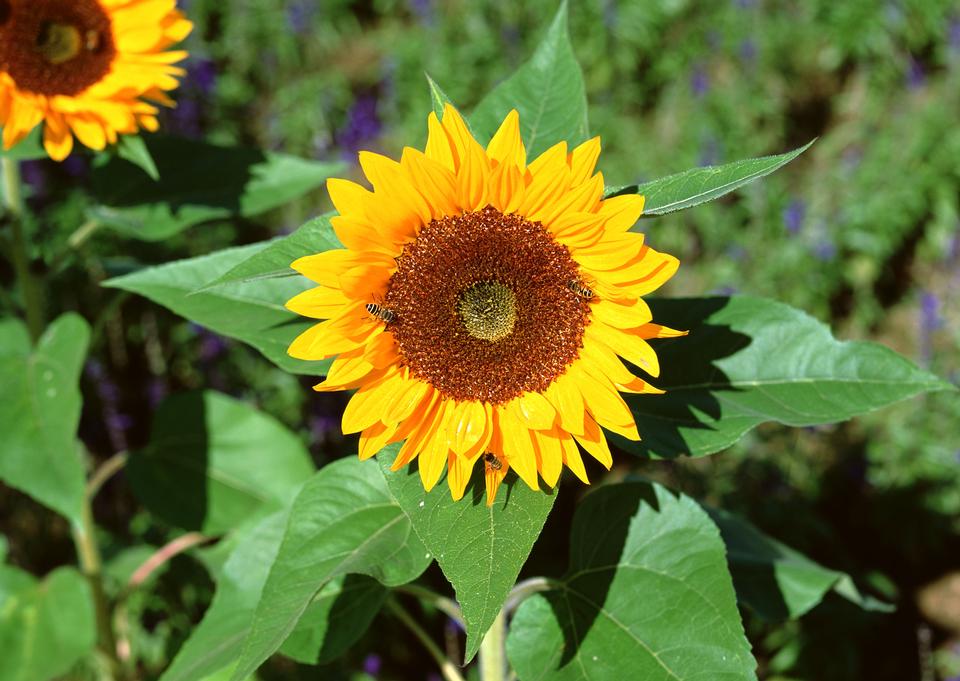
750,360
774,580
274,259
438,98
40,412
699,185
212,461
199,182
251,312
647,596
132,148
46,628
28,149
344,521
479,548
547,91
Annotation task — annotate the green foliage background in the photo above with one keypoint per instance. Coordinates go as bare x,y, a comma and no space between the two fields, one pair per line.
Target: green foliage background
862,231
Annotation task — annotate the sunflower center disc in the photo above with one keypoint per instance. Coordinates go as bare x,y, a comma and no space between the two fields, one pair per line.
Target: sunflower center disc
488,310
484,310
55,47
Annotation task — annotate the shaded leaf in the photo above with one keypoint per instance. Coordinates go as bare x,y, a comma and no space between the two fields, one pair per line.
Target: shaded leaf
699,185
46,628
274,259
774,580
212,461
250,312
343,521
479,548
647,596
547,91
750,360
40,412
199,182
132,148
29,149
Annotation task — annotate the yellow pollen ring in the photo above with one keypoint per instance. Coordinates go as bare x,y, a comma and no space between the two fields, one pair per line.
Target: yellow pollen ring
488,310
59,43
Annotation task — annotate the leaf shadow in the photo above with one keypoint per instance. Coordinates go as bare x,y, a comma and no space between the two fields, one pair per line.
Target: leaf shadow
170,475
689,374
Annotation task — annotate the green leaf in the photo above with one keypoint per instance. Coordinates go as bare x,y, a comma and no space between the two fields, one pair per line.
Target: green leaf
647,596
40,412
250,312
776,581
199,182
479,548
336,618
344,521
29,149
132,148
547,91
218,640
699,185
750,360
274,260
213,461
438,98
47,628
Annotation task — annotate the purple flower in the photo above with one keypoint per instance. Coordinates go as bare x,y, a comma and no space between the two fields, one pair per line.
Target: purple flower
930,318
709,152
35,176
748,51
953,34
793,216
611,14
202,76
824,249
211,346
915,75
363,125
372,664
156,392
109,393
424,11
699,81
300,15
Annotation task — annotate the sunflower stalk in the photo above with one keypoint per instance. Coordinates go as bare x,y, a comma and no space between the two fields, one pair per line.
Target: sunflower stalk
492,655
30,287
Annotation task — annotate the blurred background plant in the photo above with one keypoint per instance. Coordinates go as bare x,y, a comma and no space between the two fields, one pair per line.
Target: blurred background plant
863,232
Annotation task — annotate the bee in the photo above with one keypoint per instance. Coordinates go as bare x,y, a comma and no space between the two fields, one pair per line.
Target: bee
581,290
92,41
492,461
383,314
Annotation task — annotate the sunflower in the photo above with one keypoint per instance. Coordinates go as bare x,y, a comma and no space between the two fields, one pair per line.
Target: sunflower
89,68
482,305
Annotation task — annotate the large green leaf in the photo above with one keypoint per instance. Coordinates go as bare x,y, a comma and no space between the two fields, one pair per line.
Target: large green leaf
547,91
750,360
40,411
29,149
212,461
776,581
344,521
647,596
198,182
251,312
479,548
274,260
699,185
46,628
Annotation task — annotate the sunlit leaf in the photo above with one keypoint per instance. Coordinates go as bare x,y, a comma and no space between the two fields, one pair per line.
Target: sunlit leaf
479,548
547,91
212,461
132,148
647,596
28,149
251,312
40,411
750,360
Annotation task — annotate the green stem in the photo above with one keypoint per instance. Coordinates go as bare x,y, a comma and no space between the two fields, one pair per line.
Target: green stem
527,588
492,655
106,471
445,605
447,668
29,284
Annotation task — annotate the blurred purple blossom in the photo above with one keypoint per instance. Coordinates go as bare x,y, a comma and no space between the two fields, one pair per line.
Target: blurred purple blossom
611,14
953,34
424,11
372,664
748,51
793,216
157,391
109,393
201,75
35,176
76,166
709,152
699,81
455,626
915,76
300,15
824,249
930,317
724,291
736,252
362,125
745,4
322,426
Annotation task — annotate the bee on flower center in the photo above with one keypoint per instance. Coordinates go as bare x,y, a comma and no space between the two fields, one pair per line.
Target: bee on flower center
383,314
581,290
92,41
493,463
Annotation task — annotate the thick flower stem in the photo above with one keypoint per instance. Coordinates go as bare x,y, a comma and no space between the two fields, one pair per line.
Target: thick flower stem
493,658
447,668
29,284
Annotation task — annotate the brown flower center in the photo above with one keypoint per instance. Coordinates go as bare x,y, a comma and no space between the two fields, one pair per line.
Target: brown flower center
55,47
483,309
